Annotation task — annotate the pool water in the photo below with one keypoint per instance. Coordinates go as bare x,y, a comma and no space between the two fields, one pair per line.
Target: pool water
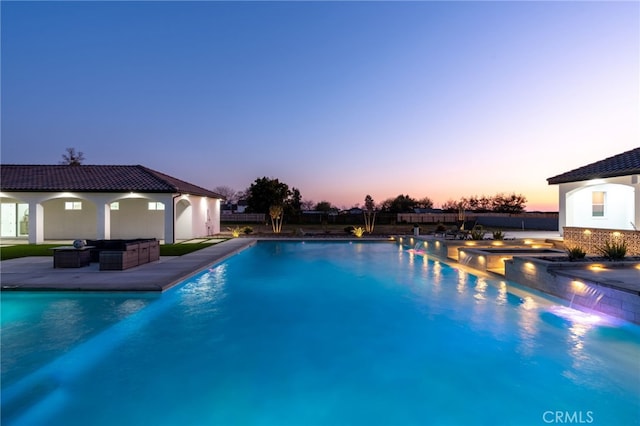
314,333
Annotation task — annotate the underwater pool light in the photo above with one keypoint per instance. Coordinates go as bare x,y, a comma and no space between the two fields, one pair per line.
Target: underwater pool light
576,316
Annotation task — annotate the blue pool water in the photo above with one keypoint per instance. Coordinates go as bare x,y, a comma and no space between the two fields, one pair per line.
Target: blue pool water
291,333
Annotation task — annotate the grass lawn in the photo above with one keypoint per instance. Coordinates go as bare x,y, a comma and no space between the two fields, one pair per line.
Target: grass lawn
25,250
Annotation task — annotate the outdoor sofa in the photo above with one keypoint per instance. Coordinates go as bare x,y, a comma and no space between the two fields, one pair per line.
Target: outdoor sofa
117,255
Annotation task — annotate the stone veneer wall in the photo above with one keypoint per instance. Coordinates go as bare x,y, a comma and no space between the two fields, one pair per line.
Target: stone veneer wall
548,278
592,238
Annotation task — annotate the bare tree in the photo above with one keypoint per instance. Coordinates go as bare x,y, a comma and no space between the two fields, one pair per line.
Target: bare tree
230,195
308,204
72,158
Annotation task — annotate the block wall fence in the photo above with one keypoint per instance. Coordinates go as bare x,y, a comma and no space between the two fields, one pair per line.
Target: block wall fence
592,238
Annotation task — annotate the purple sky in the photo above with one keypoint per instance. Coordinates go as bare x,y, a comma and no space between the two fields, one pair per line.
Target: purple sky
337,99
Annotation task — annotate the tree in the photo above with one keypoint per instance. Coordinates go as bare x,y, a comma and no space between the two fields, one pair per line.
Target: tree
499,203
229,194
307,204
276,213
481,204
400,204
323,206
424,203
512,203
264,193
72,158
369,204
451,205
241,195
369,214
293,206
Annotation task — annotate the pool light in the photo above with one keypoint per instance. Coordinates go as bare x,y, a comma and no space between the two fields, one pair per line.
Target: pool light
578,286
576,316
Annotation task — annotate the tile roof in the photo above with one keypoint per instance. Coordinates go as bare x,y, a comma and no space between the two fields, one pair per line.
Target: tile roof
625,164
89,178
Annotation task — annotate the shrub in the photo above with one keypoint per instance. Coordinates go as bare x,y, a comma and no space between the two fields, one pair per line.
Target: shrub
477,233
613,250
349,229
235,232
247,230
358,232
440,228
576,253
498,235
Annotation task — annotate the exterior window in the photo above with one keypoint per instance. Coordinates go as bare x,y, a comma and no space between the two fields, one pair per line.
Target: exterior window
156,205
115,205
73,205
597,203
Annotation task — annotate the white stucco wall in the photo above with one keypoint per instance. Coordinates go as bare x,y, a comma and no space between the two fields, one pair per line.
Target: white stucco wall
197,217
48,220
133,219
622,203
61,224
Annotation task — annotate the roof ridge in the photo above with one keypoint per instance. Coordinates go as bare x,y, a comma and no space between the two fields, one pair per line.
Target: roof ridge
94,178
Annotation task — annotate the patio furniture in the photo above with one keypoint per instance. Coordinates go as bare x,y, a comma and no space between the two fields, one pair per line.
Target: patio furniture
119,260
123,254
71,257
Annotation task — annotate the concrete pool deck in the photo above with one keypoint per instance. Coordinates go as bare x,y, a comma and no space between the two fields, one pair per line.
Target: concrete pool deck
37,273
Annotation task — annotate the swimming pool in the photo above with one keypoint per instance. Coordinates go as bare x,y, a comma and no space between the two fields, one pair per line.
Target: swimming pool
315,333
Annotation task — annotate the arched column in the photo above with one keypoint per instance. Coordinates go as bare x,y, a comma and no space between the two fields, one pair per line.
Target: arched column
36,222
103,213
169,219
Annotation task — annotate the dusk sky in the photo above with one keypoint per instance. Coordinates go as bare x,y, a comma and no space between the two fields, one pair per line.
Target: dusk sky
337,99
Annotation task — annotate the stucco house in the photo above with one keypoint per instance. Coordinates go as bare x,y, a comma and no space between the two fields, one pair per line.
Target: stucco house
51,202
601,200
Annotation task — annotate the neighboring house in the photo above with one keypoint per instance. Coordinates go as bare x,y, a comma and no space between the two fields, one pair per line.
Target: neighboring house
354,211
241,207
50,202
